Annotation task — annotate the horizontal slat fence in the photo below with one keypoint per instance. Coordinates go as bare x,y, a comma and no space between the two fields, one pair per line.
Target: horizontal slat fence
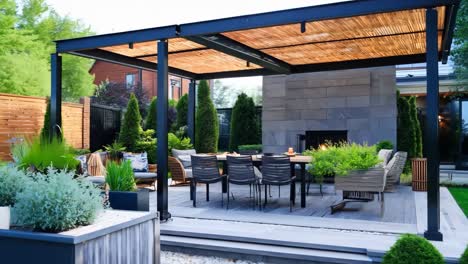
24,116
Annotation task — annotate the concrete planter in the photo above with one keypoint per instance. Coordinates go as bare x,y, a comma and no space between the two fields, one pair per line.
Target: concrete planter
135,201
115,237
4,217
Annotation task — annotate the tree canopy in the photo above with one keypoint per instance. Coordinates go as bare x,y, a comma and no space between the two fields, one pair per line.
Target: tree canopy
244,123
26,42
460,47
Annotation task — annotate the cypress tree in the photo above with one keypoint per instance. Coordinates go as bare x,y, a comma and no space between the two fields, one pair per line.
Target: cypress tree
151,117
45,131
413,111
182,110
131,127
207,130
244,123
405,131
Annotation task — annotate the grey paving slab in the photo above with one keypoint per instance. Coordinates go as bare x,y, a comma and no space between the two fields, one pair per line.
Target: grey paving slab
399,206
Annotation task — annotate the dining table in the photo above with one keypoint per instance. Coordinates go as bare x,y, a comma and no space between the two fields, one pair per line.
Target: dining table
300,160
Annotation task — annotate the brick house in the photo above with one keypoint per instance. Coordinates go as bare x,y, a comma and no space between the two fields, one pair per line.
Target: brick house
116,73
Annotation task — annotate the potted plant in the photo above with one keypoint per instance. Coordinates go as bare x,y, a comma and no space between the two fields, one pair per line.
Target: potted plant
59,218
11,183
123,193
341,159
115,151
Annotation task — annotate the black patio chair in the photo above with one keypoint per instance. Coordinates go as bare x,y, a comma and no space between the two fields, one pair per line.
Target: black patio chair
205,170
276,170
241,171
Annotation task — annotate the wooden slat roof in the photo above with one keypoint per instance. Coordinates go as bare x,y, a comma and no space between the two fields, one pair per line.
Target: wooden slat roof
345,39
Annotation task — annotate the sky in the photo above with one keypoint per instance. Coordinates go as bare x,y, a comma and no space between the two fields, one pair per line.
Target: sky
108,16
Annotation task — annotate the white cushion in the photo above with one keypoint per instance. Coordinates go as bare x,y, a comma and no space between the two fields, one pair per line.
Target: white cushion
385,155
145,175
83,164
184,156
98,180
139,161
188,173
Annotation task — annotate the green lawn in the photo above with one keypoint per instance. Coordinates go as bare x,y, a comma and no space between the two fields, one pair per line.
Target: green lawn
461,196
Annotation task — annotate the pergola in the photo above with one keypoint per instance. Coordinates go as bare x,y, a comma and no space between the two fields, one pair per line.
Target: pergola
345,35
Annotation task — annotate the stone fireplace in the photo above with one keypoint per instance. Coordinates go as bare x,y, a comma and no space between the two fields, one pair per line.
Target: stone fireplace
360,103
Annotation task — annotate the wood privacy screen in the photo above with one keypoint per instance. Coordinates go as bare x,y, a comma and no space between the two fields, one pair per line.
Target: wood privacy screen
24,116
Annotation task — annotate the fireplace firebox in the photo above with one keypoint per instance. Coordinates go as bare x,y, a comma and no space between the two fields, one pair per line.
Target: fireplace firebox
314,139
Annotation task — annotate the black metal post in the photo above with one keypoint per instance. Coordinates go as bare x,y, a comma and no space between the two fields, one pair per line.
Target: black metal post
162,150
140,79
191,110
56,95
432,127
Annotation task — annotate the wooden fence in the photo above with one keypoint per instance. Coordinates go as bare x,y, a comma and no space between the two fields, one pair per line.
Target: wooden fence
24,116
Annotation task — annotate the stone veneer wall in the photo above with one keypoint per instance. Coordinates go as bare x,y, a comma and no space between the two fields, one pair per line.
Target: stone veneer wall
362,101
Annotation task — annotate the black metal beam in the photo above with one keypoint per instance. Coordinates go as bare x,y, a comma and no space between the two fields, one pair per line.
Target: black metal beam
113,39
283,17
450,21
162,148
329,66
170,52
56,95
311,13
234,74
98,54
231,47
191,111
432,128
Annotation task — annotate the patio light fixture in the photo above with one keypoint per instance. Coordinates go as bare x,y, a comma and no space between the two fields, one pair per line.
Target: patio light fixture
303,27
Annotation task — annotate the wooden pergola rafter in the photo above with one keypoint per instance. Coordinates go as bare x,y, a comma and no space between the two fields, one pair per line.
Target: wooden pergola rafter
344,35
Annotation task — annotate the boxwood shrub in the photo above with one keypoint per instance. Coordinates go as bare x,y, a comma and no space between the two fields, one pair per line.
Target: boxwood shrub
257,147
413,249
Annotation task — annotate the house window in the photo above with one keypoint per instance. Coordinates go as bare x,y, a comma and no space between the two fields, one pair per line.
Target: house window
130,80
175,89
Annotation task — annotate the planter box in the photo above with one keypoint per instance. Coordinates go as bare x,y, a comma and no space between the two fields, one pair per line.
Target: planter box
115,237
419,174
135,201
4,217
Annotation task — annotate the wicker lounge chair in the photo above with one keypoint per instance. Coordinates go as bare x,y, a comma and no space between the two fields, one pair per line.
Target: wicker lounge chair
180,175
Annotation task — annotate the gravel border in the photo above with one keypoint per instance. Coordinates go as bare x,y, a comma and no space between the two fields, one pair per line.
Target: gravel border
179,258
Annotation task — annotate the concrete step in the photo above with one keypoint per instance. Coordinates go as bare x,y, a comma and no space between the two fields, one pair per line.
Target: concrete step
258,252
278,235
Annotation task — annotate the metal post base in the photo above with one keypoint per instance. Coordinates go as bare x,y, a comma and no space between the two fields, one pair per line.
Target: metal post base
434,236
165,216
